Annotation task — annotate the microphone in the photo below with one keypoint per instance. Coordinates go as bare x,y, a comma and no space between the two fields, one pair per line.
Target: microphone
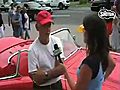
57,52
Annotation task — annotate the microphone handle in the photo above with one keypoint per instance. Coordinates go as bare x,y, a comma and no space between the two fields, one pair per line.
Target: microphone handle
60,59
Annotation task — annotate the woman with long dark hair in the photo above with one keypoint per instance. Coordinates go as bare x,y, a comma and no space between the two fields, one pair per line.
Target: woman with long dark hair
98,64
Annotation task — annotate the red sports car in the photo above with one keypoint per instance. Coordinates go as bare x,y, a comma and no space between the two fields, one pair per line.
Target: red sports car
14,64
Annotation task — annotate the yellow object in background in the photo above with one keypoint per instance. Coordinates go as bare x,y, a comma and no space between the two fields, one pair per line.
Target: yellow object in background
81,28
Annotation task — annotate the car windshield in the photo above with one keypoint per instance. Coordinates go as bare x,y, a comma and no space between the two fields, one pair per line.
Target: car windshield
68,42
34,5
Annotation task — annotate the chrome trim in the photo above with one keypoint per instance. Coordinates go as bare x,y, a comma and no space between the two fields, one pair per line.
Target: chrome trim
9,59
17,66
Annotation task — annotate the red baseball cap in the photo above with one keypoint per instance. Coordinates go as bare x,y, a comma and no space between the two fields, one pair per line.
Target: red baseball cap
44,17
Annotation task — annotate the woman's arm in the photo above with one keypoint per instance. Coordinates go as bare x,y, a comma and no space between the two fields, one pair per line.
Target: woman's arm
82,80
70,81
110,67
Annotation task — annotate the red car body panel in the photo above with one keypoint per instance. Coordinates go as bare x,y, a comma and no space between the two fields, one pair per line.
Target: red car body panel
24,82
11,45
19,83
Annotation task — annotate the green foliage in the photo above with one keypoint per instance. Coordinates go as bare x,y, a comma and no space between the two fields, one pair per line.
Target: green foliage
83,1
77,4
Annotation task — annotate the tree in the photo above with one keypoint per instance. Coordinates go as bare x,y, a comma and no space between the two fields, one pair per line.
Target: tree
83,1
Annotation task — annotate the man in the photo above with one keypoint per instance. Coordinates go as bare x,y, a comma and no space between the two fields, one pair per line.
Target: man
43,67
17,23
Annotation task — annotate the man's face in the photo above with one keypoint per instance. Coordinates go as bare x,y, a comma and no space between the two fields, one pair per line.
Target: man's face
44,30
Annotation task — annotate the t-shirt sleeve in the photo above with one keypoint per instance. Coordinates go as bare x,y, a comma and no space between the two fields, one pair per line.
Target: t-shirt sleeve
32,61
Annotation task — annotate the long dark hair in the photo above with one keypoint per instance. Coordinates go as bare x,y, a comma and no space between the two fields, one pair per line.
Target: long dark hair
97,39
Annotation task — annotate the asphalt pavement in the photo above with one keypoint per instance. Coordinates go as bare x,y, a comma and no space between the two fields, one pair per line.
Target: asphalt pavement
70,18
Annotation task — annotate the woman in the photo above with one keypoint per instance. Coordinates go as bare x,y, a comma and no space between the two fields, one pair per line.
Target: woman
98,64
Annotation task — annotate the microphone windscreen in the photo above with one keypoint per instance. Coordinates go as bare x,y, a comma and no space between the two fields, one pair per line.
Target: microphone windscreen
56,51
56,46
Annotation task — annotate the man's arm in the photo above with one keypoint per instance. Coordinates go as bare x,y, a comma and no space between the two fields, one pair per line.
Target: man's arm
40,76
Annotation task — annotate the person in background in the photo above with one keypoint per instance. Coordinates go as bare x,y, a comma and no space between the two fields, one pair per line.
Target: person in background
98,64
44,69
2,26
17,23
115,36
11,12
117,6
25,22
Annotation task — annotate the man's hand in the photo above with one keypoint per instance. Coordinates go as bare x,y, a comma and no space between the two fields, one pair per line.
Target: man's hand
39,77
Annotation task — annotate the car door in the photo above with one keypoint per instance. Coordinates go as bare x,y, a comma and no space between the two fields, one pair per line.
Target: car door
54,2
17,83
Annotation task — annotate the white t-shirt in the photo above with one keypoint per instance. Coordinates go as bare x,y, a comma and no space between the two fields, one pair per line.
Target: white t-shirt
27,21
41,56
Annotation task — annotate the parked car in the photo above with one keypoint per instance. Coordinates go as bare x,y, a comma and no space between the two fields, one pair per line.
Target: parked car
96,5
33,8
4,8
14,62
40,2
61,4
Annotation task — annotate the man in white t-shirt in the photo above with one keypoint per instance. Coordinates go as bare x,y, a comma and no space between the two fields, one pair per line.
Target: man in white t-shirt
44,68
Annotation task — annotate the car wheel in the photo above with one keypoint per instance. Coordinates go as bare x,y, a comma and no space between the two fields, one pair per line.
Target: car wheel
66,7
60,6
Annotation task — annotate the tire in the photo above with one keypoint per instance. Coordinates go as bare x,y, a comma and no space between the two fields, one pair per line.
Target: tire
66,7
61,6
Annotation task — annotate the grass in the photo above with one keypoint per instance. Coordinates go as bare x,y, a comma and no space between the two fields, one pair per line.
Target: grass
77,5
